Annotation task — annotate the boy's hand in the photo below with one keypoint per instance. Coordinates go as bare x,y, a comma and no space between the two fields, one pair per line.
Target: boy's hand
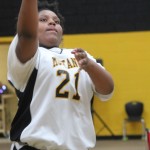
81,57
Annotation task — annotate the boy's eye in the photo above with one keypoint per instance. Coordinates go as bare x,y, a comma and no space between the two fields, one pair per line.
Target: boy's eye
43,20
57,21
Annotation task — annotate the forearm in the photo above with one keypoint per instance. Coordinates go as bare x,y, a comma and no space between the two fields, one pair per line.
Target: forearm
101,78
27,24
27,30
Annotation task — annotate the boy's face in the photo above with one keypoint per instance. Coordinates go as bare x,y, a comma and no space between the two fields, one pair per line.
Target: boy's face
49,31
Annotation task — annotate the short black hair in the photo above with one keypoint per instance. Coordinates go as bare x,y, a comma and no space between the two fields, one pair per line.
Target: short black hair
53,6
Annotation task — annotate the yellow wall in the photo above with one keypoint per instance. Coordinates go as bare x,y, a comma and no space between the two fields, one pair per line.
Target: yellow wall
3,63
11,104
126,57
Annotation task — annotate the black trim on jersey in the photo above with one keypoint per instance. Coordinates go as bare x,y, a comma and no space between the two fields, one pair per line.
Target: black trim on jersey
47,47
41,45
61,50
92,101
51,47
14,148
23,116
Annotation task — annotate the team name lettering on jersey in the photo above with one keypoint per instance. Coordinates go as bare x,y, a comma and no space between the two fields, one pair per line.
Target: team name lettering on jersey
68,63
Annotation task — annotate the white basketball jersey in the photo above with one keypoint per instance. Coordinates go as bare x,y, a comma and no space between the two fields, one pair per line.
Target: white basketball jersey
54,108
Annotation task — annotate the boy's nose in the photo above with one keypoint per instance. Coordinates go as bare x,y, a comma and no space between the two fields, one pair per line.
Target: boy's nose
51,22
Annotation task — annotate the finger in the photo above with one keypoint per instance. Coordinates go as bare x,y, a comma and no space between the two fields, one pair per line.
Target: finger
74,51
79,50
83,55
83,62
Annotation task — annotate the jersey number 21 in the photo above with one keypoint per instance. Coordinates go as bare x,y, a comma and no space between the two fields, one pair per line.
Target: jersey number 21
64,82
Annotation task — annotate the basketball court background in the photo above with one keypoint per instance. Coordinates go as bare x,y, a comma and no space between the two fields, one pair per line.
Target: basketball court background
118,32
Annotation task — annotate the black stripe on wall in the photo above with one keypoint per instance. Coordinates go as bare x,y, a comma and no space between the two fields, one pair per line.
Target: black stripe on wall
88,16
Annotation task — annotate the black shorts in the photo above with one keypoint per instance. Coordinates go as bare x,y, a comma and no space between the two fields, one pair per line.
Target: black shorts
26,147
